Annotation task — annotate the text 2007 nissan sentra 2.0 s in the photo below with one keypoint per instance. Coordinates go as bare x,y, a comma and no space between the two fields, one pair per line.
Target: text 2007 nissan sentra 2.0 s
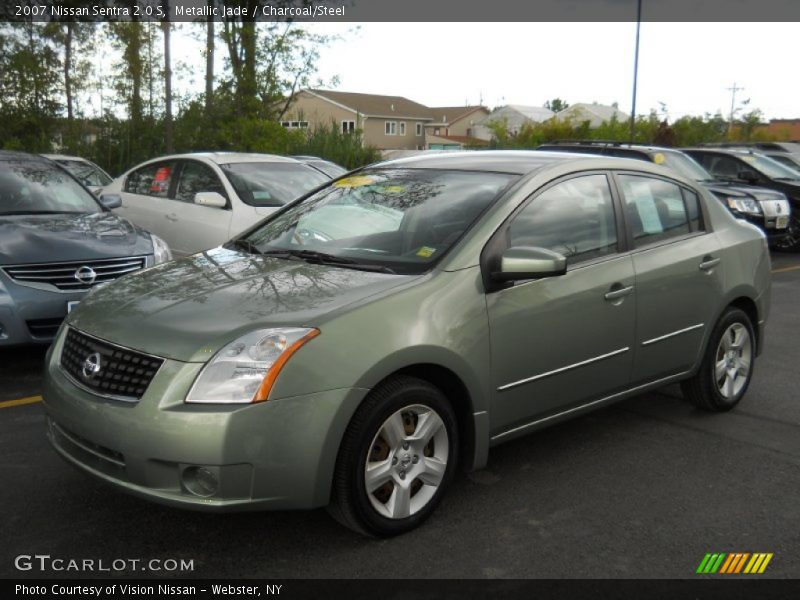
361,343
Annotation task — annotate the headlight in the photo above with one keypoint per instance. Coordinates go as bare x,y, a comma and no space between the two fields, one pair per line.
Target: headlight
745,205
161,251
245,370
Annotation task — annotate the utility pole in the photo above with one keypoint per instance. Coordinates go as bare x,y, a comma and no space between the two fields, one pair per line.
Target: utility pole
733,91
635,68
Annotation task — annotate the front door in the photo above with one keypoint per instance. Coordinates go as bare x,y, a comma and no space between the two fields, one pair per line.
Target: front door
559,342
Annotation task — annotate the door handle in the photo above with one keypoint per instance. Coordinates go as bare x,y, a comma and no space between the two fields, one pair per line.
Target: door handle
709,263
616,292
171,217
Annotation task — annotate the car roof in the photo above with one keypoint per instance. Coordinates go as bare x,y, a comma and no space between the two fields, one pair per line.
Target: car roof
601,145
224,158
15,155
66,157
725,150
519,162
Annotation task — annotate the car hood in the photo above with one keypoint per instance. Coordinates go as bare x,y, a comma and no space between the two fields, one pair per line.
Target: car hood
188,309
51,238
724,188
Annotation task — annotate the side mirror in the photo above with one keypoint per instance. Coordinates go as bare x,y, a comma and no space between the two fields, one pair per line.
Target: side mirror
526,262
748,175
214,199
111,200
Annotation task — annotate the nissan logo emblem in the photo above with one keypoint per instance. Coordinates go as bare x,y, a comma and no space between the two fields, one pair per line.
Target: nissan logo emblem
86,275
91,366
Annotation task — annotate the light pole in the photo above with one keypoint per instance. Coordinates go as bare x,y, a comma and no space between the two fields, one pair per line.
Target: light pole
635,69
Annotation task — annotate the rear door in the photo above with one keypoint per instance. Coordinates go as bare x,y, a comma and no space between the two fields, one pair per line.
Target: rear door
145,196
678,276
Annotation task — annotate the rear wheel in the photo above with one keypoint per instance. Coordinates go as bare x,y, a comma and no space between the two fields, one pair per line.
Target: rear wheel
728,364
398,455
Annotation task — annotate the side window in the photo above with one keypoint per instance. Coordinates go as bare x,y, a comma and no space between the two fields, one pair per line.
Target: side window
574,217
197,177
693,210
655,209
151,180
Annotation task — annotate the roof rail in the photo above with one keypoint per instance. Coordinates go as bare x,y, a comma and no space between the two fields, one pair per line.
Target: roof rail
587,143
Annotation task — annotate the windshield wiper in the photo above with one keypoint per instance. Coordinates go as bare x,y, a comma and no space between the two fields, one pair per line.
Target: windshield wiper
245,245
786,179
322,258
314,255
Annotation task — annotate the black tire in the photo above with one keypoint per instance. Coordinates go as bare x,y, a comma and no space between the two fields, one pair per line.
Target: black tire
711,390
791,242
366,437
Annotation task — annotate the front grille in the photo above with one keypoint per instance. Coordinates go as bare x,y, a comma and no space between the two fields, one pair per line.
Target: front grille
76,275
107,369
44,328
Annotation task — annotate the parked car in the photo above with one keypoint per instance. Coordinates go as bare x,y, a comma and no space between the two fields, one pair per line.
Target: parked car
88,173
198,201
331,169
358,367
745,166
766,208
57,242
786,153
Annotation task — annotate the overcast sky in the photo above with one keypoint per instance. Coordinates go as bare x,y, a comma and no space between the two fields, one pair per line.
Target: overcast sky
687,66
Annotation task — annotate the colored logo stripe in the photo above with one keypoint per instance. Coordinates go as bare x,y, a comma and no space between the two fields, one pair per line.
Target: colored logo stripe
734,563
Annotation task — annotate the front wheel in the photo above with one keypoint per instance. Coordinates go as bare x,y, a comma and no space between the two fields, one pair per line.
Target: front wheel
727,366
397,457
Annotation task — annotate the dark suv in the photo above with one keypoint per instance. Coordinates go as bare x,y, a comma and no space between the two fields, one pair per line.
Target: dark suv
752,168
766,208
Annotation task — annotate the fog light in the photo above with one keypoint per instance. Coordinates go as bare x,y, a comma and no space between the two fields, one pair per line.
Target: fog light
200,481
3,334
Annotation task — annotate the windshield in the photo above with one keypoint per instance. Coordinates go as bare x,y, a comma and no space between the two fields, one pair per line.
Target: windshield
400,219
272,183
37,187
771,168
787,161
684,165
86,172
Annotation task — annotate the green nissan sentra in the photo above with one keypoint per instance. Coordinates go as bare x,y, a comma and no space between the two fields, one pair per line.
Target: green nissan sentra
362,343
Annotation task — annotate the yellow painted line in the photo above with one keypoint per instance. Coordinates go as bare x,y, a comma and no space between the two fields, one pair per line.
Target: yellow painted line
20,402
787,269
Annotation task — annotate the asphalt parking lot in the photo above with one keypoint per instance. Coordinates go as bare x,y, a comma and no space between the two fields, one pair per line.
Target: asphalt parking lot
642,489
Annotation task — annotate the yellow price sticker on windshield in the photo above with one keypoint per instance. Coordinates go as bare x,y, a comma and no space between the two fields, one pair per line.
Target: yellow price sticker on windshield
658,158
355,181
426,252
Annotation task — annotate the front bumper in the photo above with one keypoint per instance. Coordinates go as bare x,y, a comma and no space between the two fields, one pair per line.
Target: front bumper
278,454
29,315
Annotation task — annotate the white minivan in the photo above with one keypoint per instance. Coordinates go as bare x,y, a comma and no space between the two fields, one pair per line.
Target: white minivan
199,201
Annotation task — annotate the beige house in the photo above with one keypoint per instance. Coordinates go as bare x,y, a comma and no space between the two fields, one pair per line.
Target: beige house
454,127
387,122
